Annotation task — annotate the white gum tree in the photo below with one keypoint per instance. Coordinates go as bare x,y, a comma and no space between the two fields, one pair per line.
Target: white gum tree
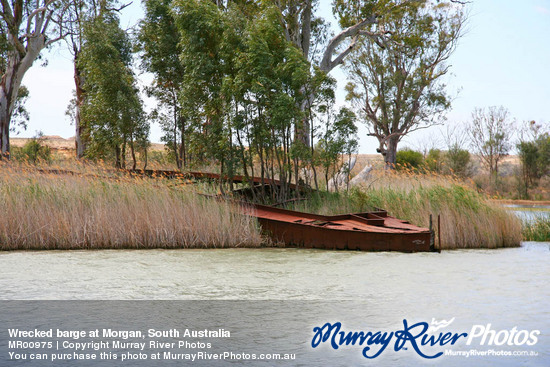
27,27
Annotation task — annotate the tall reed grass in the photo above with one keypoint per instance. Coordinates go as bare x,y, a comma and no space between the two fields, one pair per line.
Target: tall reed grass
96,209
537,229
468,219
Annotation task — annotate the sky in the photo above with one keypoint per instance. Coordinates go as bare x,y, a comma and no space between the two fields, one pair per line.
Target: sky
502,60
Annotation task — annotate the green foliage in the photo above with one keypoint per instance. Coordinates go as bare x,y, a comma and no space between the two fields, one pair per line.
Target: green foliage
534,155
529,157
350,12
20,115
242,88
434,160
537,230
112,109
396,82
339,137
160,46
457,161
34,151
543,162
162,158
408,158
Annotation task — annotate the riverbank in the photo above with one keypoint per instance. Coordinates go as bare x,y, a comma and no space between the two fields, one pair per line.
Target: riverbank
468,219
97,209
91,207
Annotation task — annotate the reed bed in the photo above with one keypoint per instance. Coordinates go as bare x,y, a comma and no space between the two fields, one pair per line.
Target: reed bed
537,229
468,219
96,209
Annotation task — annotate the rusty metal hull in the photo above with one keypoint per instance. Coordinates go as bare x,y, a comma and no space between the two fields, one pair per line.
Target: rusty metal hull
374,231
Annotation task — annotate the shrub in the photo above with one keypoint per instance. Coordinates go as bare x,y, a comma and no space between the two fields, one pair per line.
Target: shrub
33,152
409,158
434,160
457,160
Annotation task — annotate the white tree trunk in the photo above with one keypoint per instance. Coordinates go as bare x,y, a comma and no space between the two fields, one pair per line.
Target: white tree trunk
16,68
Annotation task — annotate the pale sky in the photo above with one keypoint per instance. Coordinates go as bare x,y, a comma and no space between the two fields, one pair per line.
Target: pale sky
503,59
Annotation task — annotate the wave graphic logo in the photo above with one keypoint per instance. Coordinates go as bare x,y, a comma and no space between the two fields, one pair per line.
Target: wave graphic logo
436,325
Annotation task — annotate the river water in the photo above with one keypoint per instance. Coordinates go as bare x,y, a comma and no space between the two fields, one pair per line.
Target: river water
507,287
529,212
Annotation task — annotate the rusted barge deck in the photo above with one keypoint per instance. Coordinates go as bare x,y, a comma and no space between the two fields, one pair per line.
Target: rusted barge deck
372,231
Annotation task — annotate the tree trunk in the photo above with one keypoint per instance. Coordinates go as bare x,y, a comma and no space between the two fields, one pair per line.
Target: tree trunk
117,157
175,148
183,152
17,66
4,127
9,87
80,135
145,158
133,153
391,152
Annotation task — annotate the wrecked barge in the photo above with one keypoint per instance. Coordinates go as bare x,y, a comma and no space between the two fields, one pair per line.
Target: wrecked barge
371,231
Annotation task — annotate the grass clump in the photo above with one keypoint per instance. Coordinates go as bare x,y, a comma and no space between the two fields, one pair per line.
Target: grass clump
85,211
537,229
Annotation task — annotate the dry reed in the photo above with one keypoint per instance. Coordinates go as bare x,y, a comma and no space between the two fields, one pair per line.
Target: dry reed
468,219
97,209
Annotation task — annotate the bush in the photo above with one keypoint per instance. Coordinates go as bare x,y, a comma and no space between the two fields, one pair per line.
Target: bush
408,158
434,160
33,151
457,161
161,158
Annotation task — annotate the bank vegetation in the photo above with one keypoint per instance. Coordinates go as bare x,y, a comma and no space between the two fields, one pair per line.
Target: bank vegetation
93,207
468,218
100,209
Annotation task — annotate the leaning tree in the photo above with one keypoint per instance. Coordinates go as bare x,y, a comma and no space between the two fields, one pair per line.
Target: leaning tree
27,27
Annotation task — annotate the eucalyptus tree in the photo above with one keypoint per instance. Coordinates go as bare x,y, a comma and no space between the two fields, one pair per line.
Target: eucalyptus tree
358,19
241,87
79,13
202,26
338,139
112,109
534,153
396,81
26,28
160,47
271,73
490,133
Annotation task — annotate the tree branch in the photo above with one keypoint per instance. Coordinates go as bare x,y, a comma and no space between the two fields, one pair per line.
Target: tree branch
327,64
35,13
